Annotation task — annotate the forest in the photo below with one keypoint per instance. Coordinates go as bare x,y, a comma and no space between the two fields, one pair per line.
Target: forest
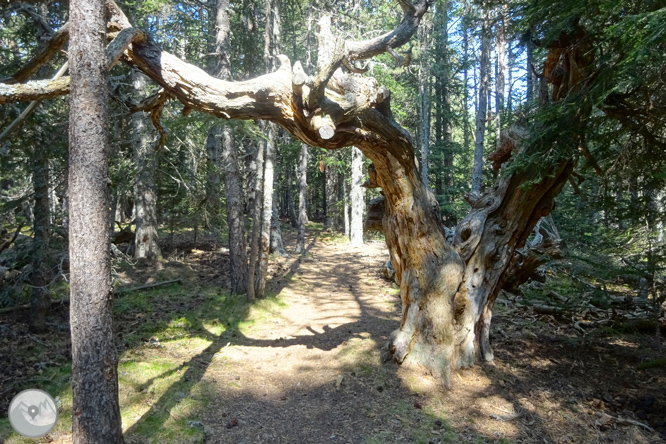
286,221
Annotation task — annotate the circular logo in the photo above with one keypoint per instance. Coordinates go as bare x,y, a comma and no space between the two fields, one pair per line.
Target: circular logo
33,413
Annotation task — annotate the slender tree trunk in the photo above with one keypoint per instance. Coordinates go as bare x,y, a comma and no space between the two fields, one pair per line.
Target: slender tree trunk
466,129
357,198
291,208
509,60
145,198
531,78
234,197
500,70
424,105
331,175
221,141
256,223
266,213
213,181
484,88
277,246
96,411
41,300
345,191
302,198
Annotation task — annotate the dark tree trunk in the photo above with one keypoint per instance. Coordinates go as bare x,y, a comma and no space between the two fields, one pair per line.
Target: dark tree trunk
237,246
228,162
41,300
96,411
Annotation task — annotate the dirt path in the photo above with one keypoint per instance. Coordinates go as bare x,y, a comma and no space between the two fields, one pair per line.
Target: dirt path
312,374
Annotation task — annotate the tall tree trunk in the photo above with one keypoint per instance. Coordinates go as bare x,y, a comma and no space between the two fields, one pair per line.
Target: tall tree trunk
331,176
357,198
500,69
96,411
345,191
277,246
221,140
302,198
256,223
266,213
271,50
41,300
213,181
291,208
466,129
424,105
145,198
509,61
484,88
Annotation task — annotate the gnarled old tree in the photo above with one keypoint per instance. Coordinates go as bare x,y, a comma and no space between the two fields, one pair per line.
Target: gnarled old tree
447,290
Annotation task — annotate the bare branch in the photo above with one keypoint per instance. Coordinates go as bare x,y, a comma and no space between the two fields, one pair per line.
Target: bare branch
29,109
392,39
54,45
34,90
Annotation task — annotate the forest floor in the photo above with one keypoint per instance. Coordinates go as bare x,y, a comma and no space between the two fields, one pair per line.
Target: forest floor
197,365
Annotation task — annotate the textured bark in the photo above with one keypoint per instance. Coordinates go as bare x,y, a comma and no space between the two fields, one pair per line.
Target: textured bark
357,198
330,191
96,412
487,239
266,212
481,110
424,106
302,198
145,196
213,168
234,197
41,300
256,224
277,246
500,70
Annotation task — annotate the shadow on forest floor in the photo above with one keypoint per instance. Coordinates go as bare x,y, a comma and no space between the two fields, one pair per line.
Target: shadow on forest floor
200,365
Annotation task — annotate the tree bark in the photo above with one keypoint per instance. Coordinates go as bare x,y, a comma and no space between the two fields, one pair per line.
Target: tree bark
302,198
424,105
481,111
357,198
96,411
266,212
330,190
145,197
500,70
277,246
256,224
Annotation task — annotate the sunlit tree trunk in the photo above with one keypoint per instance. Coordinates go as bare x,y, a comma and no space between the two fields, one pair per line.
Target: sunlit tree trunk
96,411
302,198
357,198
